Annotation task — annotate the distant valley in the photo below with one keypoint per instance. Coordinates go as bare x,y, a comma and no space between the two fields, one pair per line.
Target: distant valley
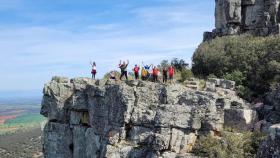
19,114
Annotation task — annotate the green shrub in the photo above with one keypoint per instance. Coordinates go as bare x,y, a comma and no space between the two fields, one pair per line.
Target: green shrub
211,76
202,84
236,76
186,74
255,59
229,145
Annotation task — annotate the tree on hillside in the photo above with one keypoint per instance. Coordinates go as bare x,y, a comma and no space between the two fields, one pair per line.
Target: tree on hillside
179,64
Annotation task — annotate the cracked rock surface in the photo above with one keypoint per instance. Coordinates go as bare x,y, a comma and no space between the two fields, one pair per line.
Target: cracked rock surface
89,119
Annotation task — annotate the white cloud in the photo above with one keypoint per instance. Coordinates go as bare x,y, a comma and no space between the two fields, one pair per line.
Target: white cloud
30,55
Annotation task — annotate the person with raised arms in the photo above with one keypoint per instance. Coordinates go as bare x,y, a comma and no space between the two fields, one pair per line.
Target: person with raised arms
123,67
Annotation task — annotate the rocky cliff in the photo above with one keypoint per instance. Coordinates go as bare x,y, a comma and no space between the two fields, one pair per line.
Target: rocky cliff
89,119
270,113
258,17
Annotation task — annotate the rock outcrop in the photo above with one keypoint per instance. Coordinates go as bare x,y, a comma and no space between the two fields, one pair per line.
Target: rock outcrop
258,17
270,113
269,110
89,119
271,147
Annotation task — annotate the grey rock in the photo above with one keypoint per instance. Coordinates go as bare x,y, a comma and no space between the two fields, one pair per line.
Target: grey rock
161,139
271,147
182,141
59,79
240,119
226,84
134,118
56,99
125,152
93,144
258,17
270,112
79,142
168,154
78,118
141,135
178,116
57,140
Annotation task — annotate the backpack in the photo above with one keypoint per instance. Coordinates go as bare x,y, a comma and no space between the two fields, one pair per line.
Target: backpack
144,72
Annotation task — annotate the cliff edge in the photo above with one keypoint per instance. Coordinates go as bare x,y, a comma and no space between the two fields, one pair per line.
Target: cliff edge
88,119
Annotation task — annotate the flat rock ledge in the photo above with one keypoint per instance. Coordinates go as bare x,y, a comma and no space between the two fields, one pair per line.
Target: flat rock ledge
136,119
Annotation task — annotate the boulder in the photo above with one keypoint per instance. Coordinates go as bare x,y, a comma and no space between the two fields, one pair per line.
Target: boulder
240,119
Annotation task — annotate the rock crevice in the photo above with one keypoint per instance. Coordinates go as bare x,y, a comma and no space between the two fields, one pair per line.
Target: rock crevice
135,118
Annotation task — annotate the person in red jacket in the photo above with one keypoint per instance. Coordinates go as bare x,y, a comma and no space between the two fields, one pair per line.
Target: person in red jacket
171,72
155,74
136,71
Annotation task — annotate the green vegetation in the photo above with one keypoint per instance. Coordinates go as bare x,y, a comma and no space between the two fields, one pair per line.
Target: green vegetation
27,118
253,62
182,70
229,145
22,122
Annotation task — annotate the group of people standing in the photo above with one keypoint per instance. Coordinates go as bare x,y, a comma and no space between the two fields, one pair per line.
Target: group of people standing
167,72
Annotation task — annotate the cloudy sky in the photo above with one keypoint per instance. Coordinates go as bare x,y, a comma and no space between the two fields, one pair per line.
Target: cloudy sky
43,38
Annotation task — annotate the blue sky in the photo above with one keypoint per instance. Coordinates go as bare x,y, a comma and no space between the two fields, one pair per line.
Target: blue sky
43,38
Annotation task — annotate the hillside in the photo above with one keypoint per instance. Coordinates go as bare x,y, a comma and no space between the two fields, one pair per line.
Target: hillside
25,144
253,62
19,115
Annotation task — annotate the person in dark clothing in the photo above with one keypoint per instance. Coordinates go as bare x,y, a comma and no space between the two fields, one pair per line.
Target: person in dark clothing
164,75
123,67
93,70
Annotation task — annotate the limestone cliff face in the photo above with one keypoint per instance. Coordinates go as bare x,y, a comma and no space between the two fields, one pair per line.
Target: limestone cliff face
137,119
258,17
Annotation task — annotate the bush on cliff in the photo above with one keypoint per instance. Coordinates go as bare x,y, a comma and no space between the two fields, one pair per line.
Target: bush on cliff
229,145
254,62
